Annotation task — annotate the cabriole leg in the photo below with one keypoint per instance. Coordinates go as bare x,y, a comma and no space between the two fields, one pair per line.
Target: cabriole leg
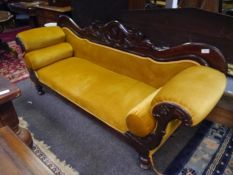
144,161
39,89
34,79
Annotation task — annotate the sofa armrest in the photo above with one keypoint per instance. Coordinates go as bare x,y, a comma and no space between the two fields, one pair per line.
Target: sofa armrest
187,98
139,120
195,90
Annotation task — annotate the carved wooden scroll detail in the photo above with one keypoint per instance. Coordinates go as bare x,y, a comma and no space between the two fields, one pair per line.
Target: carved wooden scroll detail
163,113
116,35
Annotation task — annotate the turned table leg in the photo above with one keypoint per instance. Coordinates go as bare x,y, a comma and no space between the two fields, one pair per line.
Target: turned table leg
8,116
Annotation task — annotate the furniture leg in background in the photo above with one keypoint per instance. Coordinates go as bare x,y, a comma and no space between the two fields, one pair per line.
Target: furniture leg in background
16,158
8,115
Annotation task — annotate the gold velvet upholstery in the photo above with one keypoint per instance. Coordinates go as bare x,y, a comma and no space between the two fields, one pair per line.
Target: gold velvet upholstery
41,37
117,87
42,57
139,120
186,90
180,90
137,67
102,92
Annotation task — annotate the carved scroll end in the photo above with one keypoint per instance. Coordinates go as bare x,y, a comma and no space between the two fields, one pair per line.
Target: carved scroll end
166,112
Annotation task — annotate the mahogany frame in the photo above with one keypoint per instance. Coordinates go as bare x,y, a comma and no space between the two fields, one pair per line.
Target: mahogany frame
115,35
170,27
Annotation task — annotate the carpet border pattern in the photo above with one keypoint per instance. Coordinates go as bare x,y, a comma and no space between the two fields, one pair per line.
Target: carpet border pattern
208,152
46,161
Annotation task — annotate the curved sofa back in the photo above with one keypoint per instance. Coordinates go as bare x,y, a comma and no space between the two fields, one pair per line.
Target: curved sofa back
140,68
46,42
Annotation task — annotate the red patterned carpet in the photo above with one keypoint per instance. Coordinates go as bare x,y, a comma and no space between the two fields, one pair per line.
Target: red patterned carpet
10,34
12,67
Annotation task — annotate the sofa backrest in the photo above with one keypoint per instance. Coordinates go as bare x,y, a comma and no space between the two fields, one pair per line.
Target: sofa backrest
141,68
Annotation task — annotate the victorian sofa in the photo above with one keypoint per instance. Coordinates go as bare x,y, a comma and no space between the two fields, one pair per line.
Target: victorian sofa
121,78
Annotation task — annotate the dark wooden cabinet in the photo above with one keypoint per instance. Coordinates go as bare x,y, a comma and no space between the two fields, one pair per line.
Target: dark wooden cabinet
47,14
40,13
136,4
86,12
59,3
170,27
210,5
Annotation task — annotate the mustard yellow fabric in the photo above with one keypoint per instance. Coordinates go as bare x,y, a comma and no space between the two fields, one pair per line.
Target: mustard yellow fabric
196,89
41,37
107,95
139,120
42,57
117,87
140,68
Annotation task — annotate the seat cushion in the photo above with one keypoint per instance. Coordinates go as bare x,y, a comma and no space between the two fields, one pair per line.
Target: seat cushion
107,95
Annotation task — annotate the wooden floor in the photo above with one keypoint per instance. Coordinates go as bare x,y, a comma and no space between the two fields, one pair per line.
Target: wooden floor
223,112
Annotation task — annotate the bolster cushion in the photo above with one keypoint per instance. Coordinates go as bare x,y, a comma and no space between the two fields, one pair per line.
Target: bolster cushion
139,120
41,37
43,57
196,90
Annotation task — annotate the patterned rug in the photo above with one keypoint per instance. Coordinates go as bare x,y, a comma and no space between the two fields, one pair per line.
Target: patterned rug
9,34
12,65
42,151
209,152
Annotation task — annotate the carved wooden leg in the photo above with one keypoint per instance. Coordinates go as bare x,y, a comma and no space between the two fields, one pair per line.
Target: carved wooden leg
144,162
141,148
25,136
8,116
164,113
39,89
38,85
